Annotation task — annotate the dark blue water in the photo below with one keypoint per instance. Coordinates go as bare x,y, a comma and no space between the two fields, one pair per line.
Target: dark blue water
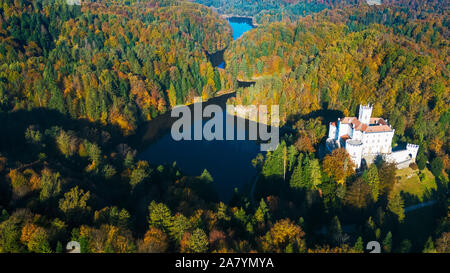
222,65
228,161
239,27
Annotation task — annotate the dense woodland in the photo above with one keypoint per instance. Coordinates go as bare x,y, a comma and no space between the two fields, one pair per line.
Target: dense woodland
112,64
77,81
398,64
265,11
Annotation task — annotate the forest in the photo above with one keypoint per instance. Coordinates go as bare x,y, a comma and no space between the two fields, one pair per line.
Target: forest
105,62
77,82
265,11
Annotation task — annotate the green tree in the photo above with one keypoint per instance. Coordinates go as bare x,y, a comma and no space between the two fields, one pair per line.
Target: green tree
371,176
292,156
206,176
197,242
314,172
395,205
179,226
10,236
160,216
140,173
429,246
387,242
39,242
335,229
50,184
386,174
262,212
359,245
436,166
296,177
74,204
273,165
59,247
421,161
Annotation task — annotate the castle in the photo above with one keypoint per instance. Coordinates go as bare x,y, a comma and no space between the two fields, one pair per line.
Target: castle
365,138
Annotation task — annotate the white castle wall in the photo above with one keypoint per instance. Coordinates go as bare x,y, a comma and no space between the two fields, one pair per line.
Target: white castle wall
365,112
412,149
332,131
369,143
376,143
344,129
354,149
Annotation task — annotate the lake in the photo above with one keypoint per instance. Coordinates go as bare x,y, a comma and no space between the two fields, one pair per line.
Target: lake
239,27
228,161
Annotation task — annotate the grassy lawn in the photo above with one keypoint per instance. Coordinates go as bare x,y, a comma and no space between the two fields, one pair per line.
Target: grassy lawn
409,181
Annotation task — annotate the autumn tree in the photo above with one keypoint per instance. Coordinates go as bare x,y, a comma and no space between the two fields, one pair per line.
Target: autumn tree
358,193
195,242
50,184
74,204
338,165
283,235
310,132
155,241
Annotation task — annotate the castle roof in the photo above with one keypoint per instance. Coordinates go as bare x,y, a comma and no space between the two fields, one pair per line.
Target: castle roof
376,125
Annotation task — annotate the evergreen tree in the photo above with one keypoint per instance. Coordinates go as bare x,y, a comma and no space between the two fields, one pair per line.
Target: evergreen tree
371,176
296,177
206,176
262,212
292,156
421,161
197,242
436,166
395,205
273,165
314,173
429,246
160,216
359,245
387,242
59,248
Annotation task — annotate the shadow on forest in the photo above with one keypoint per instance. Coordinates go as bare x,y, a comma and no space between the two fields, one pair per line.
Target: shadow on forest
14,124
19,152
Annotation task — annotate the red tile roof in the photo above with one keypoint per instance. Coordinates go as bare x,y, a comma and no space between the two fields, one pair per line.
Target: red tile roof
378,128
381,125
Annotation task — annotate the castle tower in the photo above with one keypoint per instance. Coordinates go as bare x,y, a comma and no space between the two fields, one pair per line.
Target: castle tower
354,149
412,149
365,112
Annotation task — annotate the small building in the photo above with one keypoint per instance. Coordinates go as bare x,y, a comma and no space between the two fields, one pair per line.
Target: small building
366,137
